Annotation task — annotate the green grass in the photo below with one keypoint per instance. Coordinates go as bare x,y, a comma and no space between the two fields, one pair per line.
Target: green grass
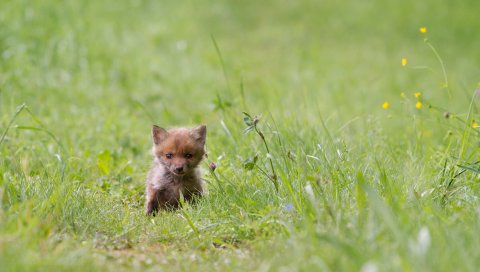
361,188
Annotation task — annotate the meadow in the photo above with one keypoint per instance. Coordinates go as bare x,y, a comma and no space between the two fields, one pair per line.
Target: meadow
345,134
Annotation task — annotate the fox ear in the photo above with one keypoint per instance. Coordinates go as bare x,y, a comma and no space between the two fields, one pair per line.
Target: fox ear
200,134
158,134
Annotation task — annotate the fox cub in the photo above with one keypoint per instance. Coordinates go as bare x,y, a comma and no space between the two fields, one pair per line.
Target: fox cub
176,155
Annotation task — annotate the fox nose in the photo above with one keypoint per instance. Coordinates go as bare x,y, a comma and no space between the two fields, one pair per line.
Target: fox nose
179,169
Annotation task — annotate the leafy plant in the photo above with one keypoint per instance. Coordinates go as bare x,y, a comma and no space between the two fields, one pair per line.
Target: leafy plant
252,125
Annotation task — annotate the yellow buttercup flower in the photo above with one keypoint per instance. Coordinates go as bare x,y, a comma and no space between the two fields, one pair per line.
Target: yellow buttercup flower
404,61
418,105
474,124
423,30
418,94
386,105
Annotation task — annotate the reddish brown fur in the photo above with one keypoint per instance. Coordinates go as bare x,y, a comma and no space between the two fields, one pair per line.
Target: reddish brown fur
177,153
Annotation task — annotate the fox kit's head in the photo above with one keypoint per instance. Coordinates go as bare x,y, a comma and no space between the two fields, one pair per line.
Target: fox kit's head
180,150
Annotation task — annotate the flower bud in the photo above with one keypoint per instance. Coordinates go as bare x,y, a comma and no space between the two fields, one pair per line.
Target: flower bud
213,166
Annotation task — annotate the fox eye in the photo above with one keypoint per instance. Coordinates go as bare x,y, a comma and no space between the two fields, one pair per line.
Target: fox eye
188,156
169,155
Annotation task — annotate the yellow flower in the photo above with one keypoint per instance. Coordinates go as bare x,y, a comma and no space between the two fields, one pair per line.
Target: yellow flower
423,30
418,94
402,94
404,61
418,105
474,124
386,105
